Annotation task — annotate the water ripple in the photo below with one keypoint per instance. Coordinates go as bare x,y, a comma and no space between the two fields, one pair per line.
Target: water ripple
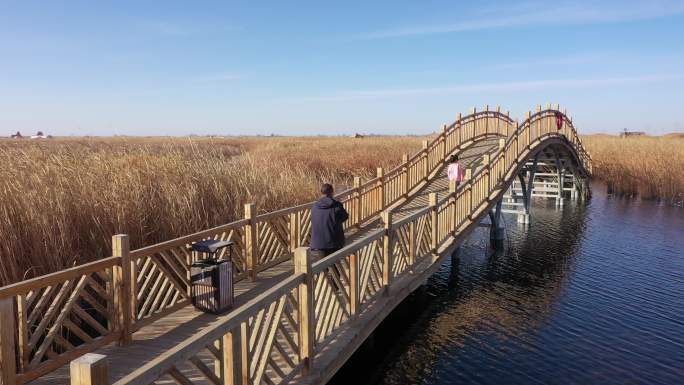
590,294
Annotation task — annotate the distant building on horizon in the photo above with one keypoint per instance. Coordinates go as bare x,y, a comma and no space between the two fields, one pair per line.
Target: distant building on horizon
18,135
626,133
40,135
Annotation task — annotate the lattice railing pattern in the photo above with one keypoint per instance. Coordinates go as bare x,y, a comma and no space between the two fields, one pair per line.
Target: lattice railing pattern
403,245
161,273
331,297
65,312
423,236
300,222
202,367
370,263
162,281
273,237
59,318
273,342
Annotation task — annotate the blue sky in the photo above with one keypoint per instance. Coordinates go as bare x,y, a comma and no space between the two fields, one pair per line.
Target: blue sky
310,68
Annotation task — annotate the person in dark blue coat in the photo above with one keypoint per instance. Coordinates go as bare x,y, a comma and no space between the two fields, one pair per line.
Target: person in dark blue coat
327,216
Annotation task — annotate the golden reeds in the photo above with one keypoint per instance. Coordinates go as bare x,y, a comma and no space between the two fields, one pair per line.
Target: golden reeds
62,200
644,166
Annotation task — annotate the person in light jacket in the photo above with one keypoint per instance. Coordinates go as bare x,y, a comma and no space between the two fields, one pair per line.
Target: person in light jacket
327,216
455,171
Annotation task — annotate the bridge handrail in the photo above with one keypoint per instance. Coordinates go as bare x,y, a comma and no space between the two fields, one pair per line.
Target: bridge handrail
158,275
342,285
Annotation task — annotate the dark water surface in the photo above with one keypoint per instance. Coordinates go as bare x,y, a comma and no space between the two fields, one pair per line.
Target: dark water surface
590,294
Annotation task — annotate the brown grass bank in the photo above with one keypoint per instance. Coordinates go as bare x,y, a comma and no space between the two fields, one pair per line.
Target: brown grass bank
62,200
645,166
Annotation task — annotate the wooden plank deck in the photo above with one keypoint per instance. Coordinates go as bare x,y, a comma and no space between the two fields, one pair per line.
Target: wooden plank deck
165,333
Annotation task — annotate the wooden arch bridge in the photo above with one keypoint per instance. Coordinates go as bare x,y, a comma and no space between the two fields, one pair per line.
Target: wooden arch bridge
127,319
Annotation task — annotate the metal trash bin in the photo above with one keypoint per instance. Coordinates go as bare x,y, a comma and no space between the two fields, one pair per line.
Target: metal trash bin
211,278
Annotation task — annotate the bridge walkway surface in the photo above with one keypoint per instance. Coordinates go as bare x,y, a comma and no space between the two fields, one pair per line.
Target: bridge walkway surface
166,332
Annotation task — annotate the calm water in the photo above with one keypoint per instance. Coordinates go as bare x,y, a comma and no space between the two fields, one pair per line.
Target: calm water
590,294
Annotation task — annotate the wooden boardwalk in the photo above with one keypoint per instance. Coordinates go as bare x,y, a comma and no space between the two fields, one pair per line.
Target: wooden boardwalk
295,320
164,334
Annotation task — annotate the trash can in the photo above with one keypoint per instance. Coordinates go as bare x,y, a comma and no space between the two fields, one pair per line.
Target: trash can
211,278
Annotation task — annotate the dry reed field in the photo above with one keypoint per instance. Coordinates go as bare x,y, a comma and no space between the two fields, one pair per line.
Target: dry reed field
644,166
62,200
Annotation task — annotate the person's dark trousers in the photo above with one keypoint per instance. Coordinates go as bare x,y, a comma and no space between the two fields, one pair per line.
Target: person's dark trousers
333,271
318,254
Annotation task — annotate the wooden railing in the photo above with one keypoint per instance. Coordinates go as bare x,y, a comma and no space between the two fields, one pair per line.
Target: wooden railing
52,319
276,336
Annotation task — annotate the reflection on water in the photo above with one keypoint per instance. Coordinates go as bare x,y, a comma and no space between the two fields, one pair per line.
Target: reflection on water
592,293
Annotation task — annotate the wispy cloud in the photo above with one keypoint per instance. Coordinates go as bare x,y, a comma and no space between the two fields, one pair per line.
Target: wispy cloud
487,87
541,13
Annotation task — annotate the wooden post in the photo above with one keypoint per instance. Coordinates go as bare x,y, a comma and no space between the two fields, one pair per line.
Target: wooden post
425,159
539,122
468,177
89,369
302,265
387,251
251,247
444,143
502,142
486,158
354,286
486,129
498,121
381,188
405,170
294,231
528,115
459,127
228,365
8,328
23,329
517,136
503,168
357,198
412,244
124,288
434,239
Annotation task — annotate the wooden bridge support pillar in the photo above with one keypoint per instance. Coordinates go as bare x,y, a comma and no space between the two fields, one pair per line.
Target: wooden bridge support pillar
497,230
561,182
526,187
560,170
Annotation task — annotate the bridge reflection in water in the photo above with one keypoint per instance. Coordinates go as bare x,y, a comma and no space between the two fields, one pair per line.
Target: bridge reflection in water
484,301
